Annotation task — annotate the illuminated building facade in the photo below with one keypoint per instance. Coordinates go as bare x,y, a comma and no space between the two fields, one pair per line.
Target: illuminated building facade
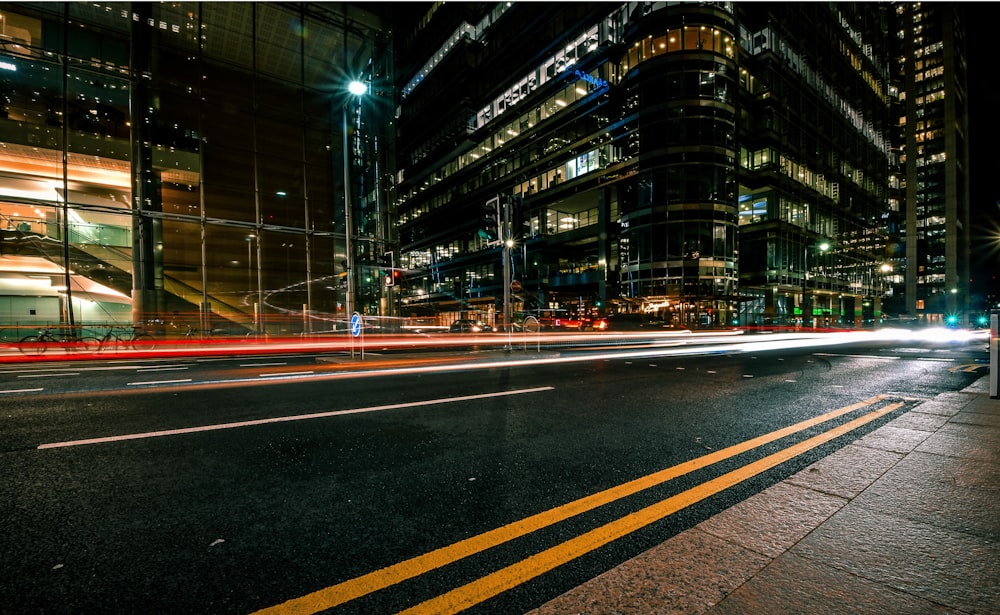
182,165
710,164
934,137
686,160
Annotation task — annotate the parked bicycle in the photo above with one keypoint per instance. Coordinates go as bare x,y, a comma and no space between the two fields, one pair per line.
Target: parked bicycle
125,338
56,338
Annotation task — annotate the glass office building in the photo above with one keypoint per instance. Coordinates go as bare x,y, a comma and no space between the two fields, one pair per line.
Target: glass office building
934,264
196,166
183,165
708,163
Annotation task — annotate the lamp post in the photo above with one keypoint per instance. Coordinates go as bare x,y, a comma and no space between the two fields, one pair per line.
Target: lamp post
249,241
806,304
357,89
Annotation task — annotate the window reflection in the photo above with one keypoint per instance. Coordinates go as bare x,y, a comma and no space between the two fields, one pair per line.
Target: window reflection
239,205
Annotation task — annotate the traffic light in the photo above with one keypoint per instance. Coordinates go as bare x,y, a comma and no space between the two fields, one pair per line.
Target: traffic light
490,216
387,263
519,225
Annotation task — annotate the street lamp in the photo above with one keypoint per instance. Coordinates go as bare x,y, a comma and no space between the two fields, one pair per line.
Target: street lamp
357,89
253,241
806,304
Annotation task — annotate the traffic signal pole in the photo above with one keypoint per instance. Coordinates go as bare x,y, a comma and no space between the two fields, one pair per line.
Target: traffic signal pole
496,228
508,242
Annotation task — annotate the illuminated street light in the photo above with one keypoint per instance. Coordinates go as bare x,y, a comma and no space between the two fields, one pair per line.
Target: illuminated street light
357,89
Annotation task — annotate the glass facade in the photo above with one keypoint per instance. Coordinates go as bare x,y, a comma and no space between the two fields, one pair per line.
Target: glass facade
681,160
181,165
935,262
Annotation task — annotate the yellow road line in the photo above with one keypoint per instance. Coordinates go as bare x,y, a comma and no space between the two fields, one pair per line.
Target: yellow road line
504,579
377,580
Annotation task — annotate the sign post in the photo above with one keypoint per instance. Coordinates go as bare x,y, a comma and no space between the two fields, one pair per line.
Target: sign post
357,329
994,363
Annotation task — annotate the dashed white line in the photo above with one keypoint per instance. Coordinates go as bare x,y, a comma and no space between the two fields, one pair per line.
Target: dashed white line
280,374
299,417
139,384
49,375
22,391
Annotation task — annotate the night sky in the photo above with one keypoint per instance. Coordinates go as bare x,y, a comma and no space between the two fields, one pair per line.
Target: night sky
984,163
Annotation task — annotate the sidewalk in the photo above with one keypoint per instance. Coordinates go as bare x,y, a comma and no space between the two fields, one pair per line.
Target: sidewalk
905,520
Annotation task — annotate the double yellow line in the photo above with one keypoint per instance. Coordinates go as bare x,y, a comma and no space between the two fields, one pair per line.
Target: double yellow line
507,578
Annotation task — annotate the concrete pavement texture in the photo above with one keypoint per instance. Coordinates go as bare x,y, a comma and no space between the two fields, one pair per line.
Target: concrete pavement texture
904,520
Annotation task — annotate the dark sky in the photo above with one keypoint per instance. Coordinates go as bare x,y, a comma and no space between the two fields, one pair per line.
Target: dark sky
984,144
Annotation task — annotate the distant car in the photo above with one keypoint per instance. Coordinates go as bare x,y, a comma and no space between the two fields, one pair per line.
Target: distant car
468,325
594,323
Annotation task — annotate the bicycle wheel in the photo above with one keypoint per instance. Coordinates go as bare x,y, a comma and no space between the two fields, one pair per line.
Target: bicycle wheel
88,344
108,342
142,341
32,345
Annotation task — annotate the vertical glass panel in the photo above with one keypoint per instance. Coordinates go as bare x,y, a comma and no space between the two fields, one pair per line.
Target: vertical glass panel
323,56
279,42
178,23
227,33
97,111
674,40
115,16
284,278
32,111
232,277
328,288
177,130
182,266
281,136
230,202
691,37
281,192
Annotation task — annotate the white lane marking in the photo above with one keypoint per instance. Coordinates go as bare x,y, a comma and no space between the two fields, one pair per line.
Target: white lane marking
77,369
281,374
49,375
856,356
139,384
262,364
298,417
146,370
22,391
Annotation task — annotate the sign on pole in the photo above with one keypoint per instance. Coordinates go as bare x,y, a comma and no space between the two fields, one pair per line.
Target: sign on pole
994,362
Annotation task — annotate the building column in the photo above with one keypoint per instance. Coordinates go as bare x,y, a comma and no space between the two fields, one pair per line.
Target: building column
147,266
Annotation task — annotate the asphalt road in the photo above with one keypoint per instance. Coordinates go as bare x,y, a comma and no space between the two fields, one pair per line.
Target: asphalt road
231,485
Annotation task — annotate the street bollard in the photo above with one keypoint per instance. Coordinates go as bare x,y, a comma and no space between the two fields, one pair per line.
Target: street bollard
994,364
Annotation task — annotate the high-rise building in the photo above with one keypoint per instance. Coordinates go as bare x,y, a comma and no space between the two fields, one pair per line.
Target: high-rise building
934,136
708,163
185,164
705,164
